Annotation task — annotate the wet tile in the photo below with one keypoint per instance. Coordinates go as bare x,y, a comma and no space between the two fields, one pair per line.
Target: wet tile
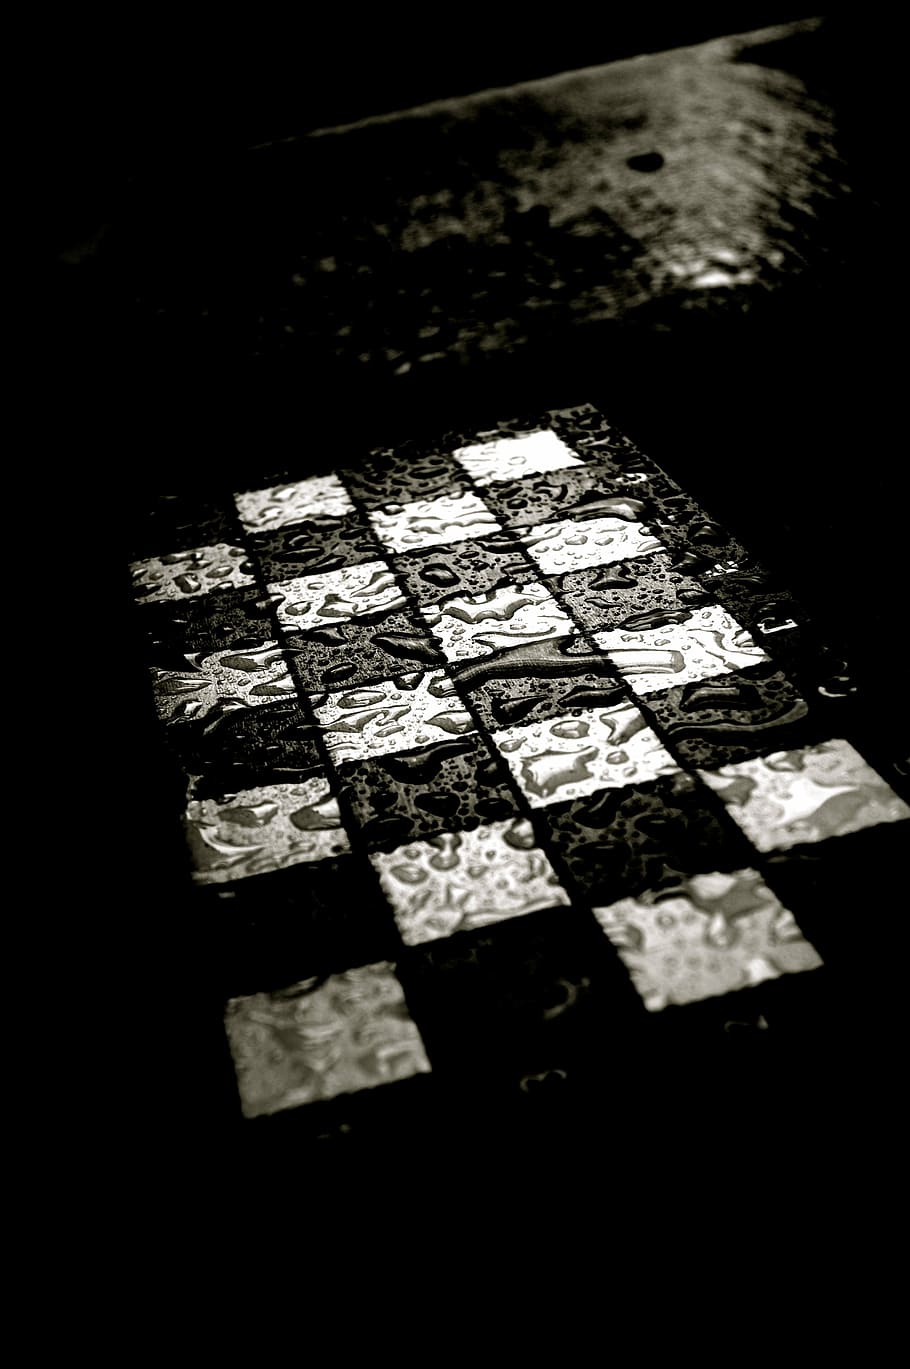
393,715
246,678
510,458
471,625
230,619
580,494
315,918
833,887
334,596
432,522
694,538
313,1041
197,571
482,564
403,474
449,786
537,681
459,881
560,547
662,503
680,648
320,544
593,749
181,522
263,829
792,797
280,505
356,652
620,841
629,594
706,936
508,1001
592,437
232,749
730,717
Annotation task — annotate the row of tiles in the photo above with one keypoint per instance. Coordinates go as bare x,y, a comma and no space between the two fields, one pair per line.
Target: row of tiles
556,548
471,869
525,632
708,936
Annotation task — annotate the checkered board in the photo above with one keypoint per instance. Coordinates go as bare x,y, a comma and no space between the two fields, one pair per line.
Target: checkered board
497,753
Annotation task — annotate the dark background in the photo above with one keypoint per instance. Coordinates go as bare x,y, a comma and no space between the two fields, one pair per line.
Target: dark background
120,95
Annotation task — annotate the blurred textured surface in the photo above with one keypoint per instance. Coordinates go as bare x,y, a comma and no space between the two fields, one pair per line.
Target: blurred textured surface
697,179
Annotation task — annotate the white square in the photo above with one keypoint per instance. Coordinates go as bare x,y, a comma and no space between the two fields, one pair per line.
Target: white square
312,601
471,625
792,797
594,749
711,935
511,458
433,522
319,496
564,546
708,642
458,881
267,828
391,716
189,574
313,1041
244,676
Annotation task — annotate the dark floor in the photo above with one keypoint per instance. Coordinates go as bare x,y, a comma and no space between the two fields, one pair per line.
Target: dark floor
693,242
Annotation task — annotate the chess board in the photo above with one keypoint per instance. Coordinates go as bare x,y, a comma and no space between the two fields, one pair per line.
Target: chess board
500,761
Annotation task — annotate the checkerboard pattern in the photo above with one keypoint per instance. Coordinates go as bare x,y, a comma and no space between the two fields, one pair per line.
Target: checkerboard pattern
512,700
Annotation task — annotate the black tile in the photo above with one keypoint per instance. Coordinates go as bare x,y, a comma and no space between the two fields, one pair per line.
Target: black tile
847,895
361,650
732,717
453,786
504,1004
606,598
313,547
174,523
592,438
478,564
310,920
622,841
406,474
232,618
239,748
575,492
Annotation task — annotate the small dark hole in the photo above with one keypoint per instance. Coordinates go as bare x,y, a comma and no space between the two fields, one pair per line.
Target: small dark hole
647,161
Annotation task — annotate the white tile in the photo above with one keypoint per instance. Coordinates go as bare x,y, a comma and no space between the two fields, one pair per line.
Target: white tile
458,881
565,546
792,797
280,505
313,1041
709,642
433,522
393,715
352,592
471,625
594,749
713,934
258,675
261,829
189,574
511,458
